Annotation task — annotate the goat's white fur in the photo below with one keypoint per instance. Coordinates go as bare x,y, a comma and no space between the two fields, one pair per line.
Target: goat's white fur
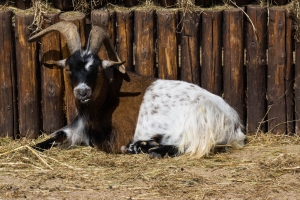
188,117
89,63
76,134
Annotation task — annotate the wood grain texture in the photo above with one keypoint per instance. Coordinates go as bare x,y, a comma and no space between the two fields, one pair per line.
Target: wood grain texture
290,72
8,109
256,46
233,69
190,48
27,78
167,44
144,40
276,71
211,70
124,37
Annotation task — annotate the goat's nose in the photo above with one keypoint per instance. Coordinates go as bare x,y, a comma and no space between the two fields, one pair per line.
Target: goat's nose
83,92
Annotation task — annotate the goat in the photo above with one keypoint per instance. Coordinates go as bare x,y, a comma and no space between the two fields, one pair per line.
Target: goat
123,112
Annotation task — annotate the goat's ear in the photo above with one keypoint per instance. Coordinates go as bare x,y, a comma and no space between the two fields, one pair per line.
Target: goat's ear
117,65
58,64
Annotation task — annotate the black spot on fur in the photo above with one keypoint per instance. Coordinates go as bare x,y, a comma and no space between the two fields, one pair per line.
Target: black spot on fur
157,138
154,96
153,112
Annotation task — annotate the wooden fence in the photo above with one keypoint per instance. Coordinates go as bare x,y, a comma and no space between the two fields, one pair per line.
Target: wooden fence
253,65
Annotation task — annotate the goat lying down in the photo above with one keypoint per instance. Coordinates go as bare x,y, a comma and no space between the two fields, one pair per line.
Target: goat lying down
118,108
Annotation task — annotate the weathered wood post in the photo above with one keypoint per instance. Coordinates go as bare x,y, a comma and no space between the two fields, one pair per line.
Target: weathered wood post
167,44
289,76
233,69
106,20
276,70
8,109
27,79
22,4
78,19
64,5
167,3
124,37
130,3
211,70
51,79
297,87
203,3
144,40
256,63
190,47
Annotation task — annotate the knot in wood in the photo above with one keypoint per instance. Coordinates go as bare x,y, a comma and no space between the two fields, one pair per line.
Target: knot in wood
167,17
103,23
143,52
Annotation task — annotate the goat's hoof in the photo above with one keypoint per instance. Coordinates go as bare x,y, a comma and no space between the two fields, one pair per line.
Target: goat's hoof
154,155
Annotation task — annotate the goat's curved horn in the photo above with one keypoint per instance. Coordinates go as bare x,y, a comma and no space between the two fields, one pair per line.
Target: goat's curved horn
97,36
68,30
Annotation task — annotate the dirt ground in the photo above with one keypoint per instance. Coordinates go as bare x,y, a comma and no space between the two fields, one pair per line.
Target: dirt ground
267,168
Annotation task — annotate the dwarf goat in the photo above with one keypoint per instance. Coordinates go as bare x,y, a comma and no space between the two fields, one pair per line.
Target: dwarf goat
118,108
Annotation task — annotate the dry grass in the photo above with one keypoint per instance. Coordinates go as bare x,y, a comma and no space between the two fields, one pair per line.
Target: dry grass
268,165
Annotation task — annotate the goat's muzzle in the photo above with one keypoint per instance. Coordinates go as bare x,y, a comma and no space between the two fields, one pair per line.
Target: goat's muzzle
83,93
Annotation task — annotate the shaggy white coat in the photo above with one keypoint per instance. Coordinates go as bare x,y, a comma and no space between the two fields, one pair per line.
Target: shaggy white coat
188,117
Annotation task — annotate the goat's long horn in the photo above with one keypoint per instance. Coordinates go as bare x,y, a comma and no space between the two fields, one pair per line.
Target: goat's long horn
68,30
97,36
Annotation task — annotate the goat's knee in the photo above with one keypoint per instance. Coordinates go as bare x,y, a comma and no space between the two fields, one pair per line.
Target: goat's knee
57,139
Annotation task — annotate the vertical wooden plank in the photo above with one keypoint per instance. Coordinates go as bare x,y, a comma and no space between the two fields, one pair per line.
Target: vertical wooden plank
190,48
289,76
167,3
7,77
51,79
64,5
256,46
105,19
234,59
211,70
124,37
22,4
167,44
27,79
78,19
144,40
276,71
130,3
204,3
297,88
234,3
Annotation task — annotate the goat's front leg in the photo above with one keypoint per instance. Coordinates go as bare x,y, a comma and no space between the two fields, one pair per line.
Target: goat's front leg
139,147
154,149
161,150
57,139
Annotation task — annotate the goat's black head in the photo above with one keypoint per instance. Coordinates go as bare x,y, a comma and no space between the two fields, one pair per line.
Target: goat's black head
84,69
